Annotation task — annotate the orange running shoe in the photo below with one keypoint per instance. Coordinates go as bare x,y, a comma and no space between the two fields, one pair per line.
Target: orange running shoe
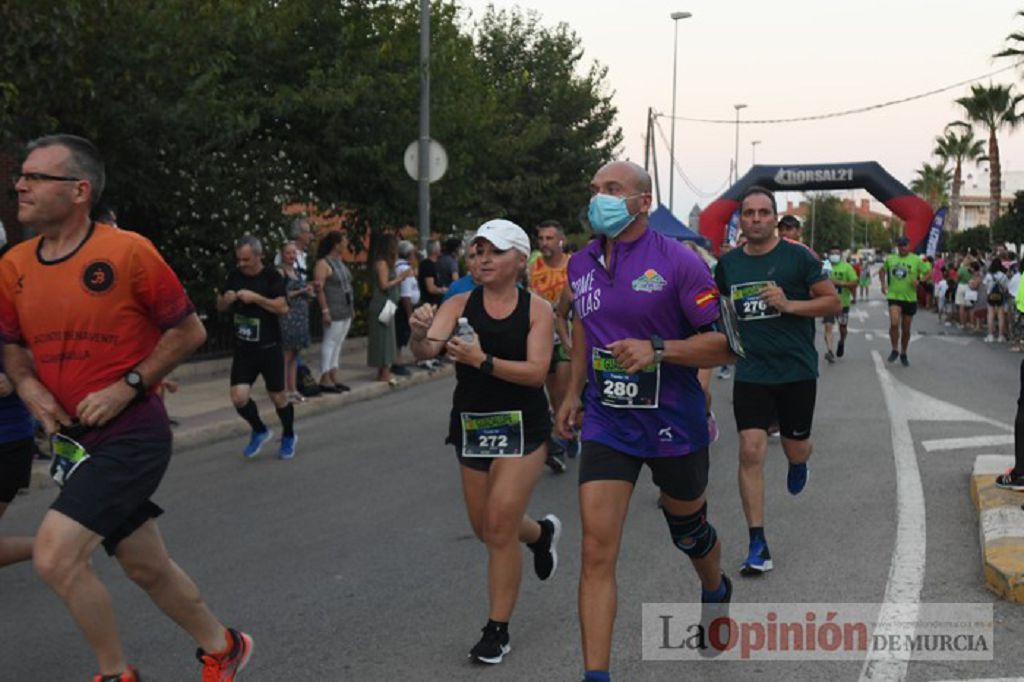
225,667
130,675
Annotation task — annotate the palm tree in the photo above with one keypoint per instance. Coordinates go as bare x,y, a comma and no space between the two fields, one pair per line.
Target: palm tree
957,148
931,183
1016,38
995,107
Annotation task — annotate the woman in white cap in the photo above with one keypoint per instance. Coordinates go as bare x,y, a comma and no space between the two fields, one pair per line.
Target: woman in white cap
499,420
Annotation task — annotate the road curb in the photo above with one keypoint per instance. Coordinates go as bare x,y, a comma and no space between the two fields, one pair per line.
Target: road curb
233,426
1000,527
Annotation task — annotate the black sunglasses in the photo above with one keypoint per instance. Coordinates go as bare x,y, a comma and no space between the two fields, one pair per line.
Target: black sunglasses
40,177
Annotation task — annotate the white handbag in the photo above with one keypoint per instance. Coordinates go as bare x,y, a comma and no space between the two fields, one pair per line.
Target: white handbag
387,313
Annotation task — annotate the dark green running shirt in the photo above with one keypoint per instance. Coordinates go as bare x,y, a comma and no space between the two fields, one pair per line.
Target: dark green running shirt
780,347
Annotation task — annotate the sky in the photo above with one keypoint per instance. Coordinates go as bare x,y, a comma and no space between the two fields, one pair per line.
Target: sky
785,59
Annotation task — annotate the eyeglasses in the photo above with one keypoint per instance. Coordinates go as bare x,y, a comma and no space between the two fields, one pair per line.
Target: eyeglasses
41,177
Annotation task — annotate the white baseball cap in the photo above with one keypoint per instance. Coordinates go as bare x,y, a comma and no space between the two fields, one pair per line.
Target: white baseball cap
504,235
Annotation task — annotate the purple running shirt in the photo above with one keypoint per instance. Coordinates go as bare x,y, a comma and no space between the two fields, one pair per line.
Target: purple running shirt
659,287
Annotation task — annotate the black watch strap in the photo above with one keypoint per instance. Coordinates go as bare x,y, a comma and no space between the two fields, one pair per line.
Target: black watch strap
487,366
134,379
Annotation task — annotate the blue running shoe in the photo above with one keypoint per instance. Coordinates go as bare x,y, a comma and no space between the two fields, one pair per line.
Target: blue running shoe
797,477
759,561
256,442
287,450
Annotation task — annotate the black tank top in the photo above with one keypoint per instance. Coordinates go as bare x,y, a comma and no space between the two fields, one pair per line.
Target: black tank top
475,391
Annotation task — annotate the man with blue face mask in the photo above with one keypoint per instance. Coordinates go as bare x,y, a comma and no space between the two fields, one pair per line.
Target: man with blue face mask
645,313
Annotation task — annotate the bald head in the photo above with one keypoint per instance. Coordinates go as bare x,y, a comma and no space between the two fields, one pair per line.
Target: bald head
632,177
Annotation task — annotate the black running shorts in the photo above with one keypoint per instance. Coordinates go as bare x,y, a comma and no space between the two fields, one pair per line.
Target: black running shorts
250,361
757,405
682,478
908,308
15,467
109,493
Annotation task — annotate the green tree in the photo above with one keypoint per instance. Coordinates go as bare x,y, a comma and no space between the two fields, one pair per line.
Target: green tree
828,224
931,183
978,238
995,107
1010,226
1016,44
957,149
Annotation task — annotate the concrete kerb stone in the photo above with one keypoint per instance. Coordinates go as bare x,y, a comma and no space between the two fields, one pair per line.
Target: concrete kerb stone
234,426
1001,527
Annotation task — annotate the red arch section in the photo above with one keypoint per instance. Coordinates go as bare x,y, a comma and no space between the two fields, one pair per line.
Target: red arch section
912,209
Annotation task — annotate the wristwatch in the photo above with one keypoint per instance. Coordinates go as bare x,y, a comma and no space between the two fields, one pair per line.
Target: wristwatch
659,347
487,366
134,379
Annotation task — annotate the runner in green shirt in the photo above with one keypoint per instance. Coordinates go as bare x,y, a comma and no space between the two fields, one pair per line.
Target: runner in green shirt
899,276
844,277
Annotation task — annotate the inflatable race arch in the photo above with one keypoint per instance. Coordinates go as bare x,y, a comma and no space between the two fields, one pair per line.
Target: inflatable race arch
912,209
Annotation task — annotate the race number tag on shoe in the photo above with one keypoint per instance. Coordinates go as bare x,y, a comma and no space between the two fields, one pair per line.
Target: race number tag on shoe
746,298
492,434
68,455
247,328
620,389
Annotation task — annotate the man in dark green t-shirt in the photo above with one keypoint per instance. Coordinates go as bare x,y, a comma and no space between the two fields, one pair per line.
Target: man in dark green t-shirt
844,277
899,276
777,288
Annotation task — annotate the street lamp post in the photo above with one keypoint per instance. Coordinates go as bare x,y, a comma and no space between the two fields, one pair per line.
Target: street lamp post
753,152
736,150
676,16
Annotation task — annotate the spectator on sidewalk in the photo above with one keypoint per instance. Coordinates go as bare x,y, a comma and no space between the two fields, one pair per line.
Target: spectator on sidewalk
995,286
431,290
448,262
333,283
381,348
294,323
302,236
409,298
469,281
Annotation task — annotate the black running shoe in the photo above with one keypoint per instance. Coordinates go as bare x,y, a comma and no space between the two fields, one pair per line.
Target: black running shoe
1011,480
840,349
545,550
893,356
492,647
903,360
830,357
555,463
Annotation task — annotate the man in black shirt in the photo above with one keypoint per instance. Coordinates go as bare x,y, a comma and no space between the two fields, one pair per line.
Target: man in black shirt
431,289
255,294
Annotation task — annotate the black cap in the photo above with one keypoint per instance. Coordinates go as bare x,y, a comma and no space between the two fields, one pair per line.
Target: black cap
902,241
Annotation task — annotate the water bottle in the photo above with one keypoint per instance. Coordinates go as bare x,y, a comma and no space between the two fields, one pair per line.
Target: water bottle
464,331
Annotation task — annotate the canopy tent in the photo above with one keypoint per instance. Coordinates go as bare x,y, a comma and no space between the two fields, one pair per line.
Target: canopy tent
661,220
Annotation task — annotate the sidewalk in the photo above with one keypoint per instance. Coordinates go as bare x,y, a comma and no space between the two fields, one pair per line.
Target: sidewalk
204,412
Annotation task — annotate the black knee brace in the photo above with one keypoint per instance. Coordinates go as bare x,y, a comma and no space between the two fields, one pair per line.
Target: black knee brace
692,534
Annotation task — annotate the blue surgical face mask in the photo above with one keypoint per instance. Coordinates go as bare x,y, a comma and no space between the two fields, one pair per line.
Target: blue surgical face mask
833,258
608,214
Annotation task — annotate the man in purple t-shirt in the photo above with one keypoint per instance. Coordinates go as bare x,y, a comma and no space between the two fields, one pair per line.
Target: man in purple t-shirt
645,309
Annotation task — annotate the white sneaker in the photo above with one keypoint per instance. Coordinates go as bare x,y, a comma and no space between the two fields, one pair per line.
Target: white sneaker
989,338
1001,339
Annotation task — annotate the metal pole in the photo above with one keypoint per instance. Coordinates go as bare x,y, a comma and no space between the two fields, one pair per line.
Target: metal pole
676,16
672,143
736,150
423,181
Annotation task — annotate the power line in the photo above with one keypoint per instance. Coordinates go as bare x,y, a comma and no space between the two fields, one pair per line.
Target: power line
679,169
848,112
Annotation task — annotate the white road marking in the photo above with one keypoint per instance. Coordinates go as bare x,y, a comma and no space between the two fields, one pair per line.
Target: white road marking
859,314
965,443
988,679
906,570
869,337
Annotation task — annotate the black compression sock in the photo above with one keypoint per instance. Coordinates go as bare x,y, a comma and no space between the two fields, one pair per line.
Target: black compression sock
287,416
251,414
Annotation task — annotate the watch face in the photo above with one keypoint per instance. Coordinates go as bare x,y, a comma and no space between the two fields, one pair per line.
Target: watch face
134,379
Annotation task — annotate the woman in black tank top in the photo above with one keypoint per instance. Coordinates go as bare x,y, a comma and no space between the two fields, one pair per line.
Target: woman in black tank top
499,422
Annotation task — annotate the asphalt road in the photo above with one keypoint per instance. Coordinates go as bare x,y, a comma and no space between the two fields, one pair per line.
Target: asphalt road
355,561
